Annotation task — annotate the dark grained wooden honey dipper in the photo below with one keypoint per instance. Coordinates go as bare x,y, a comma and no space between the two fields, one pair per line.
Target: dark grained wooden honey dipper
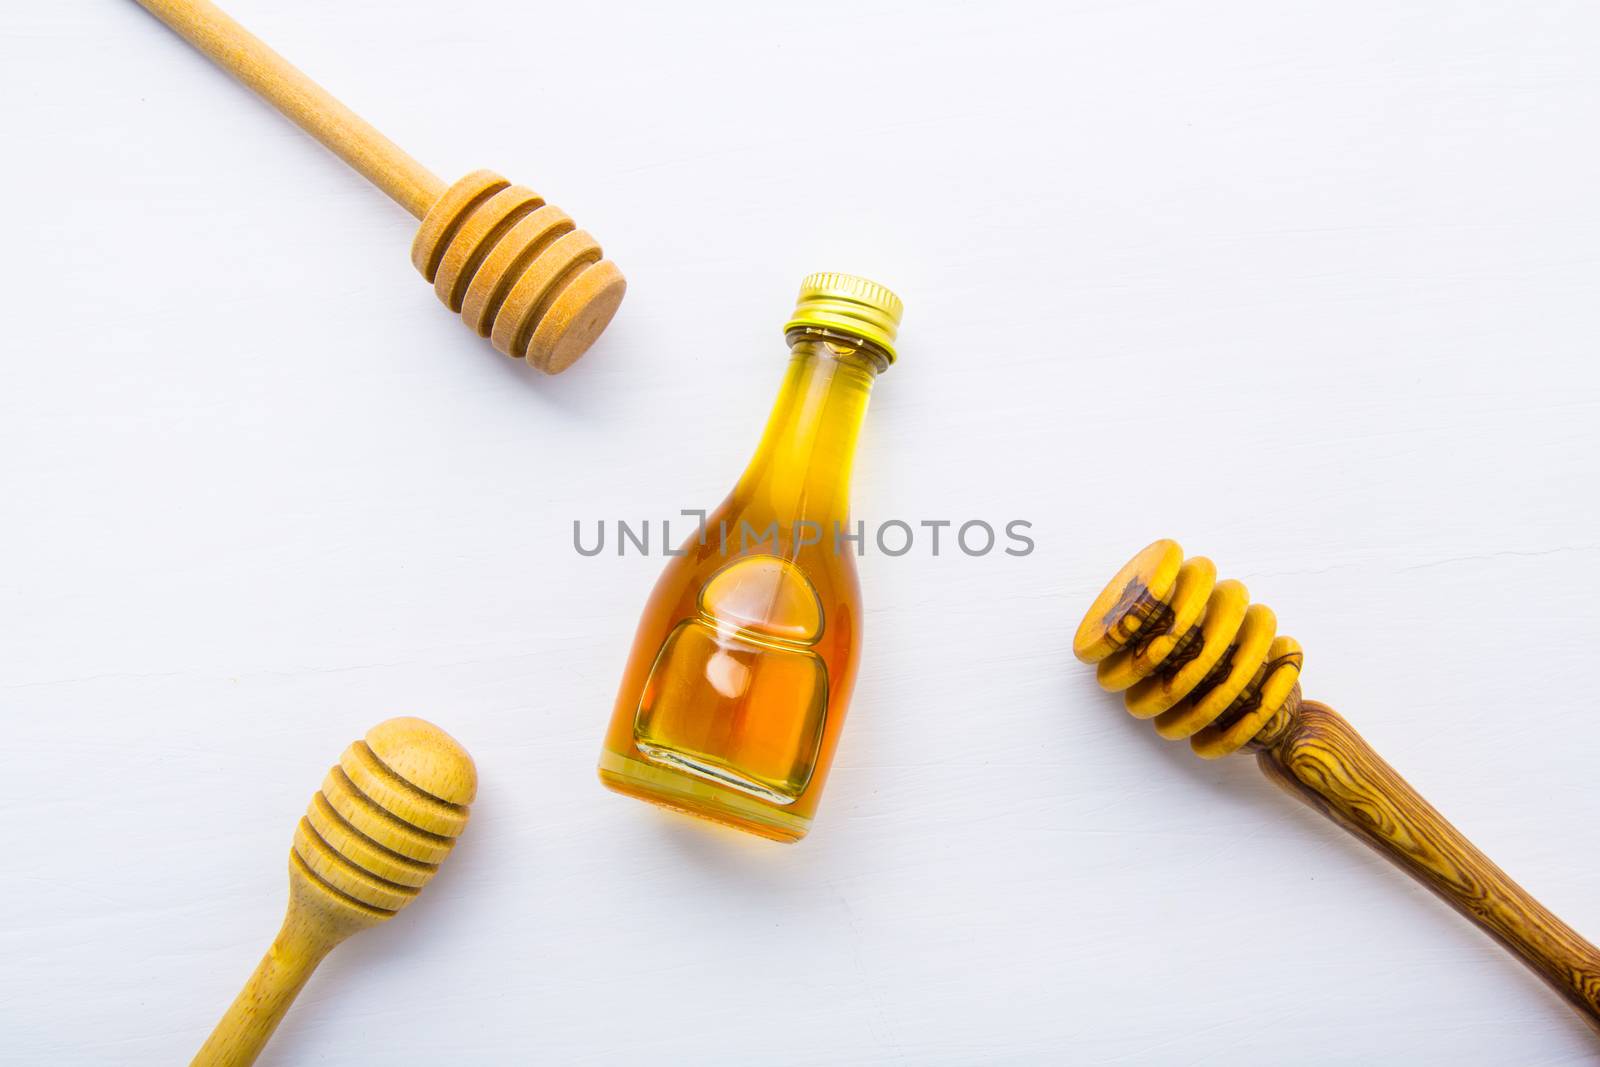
516,268
1196,656
387,815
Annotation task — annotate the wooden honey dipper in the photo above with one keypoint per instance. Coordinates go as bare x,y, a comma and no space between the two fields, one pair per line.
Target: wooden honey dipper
1196,656
515,267
387,815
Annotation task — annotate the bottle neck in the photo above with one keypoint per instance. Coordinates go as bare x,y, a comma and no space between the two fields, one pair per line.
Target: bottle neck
801,470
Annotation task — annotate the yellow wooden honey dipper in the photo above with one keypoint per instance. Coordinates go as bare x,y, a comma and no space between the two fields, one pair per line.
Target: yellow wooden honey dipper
387,815
1196,656
516,268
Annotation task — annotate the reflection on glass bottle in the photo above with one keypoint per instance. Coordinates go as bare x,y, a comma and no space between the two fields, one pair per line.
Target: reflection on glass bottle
736,688
749,654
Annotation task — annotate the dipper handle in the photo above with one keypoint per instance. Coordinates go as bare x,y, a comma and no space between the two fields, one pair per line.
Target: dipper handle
279,82
310,106
255,1013
1323,761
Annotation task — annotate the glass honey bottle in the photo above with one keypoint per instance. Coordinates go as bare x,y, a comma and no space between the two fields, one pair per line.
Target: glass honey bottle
735,691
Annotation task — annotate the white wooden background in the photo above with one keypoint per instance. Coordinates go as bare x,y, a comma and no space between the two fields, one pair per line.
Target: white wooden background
1311,287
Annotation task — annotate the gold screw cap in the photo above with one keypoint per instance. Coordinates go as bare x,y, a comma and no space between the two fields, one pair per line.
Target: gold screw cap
850,305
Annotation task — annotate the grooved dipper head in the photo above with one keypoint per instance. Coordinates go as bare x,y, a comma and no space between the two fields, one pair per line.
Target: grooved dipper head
518,270
387,815
1191,652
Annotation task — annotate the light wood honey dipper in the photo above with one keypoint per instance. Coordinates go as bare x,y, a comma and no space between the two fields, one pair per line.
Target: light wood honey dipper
387,815
515,267
1196,656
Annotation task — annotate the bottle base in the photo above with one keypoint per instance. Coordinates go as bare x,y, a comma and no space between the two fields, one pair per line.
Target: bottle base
704,799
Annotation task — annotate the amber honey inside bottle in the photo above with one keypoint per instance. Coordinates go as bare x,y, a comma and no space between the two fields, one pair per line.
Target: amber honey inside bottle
736,688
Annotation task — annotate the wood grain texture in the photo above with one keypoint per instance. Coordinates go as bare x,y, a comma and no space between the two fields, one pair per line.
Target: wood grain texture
1207,665
1191,652
1322,760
